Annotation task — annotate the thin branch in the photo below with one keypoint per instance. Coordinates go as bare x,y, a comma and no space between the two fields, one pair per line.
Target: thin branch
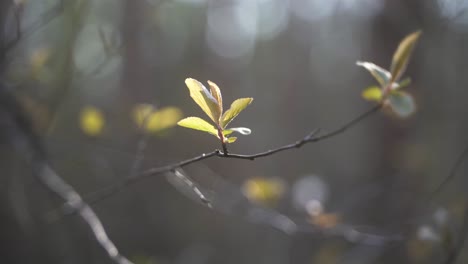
57,185
458,247
463,233
309,138
452,174
20,133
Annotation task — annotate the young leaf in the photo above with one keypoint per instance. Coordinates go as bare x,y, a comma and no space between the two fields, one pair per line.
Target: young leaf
198,124
236,107
373,93
401,103
405,82
241,130
231,140
381,75
402,54
216,94
204,99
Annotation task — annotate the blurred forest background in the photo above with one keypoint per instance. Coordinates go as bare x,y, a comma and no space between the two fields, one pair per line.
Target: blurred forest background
85,69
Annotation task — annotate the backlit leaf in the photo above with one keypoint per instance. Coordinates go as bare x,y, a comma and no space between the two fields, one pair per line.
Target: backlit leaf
402,54
198,124
227,132
401,103
236,107
372,93
263,190
204,99
380,74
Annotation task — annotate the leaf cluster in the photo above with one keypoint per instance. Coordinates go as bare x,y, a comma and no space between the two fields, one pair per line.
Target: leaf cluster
389,90
211,102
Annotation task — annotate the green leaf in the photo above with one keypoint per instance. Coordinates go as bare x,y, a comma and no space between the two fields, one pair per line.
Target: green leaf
197,123
401,103
204,99
372,93
380,74
402,54
236,107
241,130
231,140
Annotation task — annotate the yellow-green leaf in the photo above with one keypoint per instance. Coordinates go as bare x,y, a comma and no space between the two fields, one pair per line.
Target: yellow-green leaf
197,123
380,74
91,121
401,103
204,99
236,107
263,190
216,94
231,140
372,93
402,54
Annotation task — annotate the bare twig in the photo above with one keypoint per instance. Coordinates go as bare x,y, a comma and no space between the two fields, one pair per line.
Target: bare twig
309,138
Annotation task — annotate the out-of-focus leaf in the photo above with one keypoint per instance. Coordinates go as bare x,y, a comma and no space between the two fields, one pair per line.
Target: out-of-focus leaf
401,103
217,95
404,83
380,74
372,93
204,99
141,113
402,55
197,123
39,58
154,121
326,220
91,121
241,130
236,107
263,190
231,139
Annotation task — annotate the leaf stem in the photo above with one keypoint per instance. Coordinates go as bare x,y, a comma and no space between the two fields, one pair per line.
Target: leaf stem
223,140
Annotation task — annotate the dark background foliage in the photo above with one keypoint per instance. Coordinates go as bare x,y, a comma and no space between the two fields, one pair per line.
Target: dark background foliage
297,59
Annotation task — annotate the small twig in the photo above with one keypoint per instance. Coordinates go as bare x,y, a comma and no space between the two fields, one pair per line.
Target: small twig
56,184
309,138
458,246
452,173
